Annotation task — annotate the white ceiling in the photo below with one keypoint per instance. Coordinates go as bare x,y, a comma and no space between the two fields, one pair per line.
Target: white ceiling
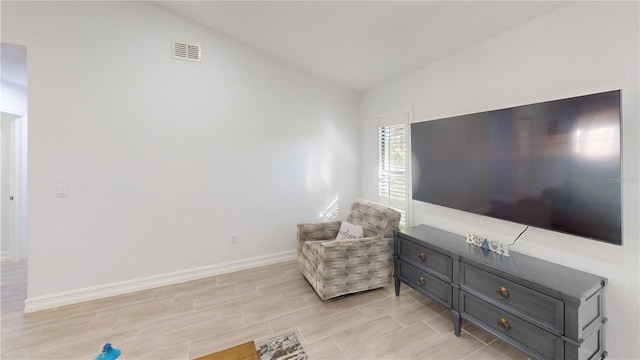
361,44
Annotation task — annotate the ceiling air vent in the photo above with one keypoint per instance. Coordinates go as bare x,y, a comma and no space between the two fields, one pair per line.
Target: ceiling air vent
184,51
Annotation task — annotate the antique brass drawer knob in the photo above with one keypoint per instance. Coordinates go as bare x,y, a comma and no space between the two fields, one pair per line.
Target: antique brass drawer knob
421,281
502,293
421,256
503,324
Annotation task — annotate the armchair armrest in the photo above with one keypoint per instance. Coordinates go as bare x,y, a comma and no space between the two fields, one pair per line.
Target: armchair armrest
317,231
357,261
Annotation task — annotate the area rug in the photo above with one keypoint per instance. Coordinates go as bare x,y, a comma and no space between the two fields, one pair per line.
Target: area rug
285,346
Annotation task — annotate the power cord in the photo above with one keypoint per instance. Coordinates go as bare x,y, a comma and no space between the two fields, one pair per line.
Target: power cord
518,237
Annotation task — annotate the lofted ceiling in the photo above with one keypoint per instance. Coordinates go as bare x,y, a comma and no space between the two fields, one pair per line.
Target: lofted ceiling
360,44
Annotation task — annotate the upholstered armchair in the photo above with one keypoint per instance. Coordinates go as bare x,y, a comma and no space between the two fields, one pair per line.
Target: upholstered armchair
337,267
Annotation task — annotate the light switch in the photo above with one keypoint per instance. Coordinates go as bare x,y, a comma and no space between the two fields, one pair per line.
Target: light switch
61,190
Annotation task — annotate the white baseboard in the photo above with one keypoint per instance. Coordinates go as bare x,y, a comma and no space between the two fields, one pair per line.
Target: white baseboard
5,256
38,303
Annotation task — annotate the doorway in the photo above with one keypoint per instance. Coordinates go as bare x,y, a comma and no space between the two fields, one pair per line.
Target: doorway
13,153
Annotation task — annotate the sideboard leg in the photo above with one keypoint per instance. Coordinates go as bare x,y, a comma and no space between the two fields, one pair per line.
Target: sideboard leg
457,323
396,280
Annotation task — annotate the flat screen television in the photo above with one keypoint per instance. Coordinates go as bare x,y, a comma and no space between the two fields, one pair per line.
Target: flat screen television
553,165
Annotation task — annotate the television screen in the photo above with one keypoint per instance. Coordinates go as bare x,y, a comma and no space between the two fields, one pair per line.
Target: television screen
553,165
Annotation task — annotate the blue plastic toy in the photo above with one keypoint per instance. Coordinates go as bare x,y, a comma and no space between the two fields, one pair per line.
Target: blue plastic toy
108,353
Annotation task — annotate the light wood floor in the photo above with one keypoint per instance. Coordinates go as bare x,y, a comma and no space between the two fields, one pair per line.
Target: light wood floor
193,319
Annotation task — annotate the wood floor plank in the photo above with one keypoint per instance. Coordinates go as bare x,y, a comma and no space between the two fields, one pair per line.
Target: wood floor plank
400,343
324,348
366,333
412,314
204,328
245,304
386,305
447,347
275,310
303,316
331,324
497,351
351,302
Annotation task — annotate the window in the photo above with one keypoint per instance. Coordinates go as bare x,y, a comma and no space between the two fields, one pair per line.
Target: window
393,168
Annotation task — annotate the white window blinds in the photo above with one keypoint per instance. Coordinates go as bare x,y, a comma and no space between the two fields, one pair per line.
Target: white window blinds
393,169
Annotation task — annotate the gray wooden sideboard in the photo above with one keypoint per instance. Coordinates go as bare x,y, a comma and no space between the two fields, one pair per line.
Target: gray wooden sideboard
544,309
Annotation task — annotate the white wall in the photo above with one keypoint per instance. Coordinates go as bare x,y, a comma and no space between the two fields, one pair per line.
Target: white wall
164,159
581,48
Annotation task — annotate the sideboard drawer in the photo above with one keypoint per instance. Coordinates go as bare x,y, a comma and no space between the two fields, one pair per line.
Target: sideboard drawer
543,310
512,328
422,281
438,264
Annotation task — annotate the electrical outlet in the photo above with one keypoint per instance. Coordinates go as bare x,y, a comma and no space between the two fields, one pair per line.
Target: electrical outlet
234,239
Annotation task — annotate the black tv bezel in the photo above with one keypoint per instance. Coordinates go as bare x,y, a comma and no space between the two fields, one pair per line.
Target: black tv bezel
619,179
